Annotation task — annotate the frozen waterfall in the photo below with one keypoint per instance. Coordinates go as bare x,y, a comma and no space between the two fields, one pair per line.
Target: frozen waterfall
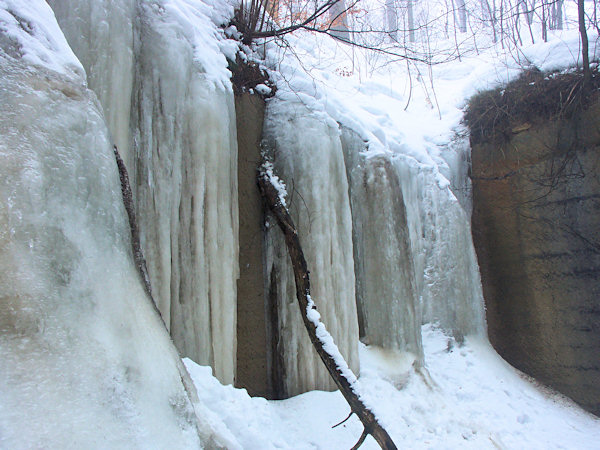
446,270
308,156
387,242
86,361
386,294
170,110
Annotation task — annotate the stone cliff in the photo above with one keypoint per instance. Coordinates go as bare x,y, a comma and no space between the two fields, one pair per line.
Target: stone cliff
536,229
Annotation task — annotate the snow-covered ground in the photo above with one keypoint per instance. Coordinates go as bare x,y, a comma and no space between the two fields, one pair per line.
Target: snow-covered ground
467,397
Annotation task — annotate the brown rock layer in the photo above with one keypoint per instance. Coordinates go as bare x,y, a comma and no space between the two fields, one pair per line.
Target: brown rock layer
536,229
252,354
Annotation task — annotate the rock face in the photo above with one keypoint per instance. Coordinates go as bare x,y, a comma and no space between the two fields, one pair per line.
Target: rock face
253,328
536,229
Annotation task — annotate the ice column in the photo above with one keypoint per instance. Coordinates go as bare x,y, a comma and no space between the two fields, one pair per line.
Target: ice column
178,140
101,34
385,282
446,270
308,155
186,180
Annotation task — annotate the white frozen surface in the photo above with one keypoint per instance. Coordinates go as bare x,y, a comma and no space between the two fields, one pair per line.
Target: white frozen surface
101,33
307,155
275,181
86,361
160,71
386,293
186,196
465,397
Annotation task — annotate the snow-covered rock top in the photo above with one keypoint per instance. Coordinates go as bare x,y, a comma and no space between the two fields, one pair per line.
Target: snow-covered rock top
29,31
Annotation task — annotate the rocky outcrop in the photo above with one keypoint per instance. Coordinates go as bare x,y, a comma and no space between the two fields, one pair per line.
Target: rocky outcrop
536,229
253,363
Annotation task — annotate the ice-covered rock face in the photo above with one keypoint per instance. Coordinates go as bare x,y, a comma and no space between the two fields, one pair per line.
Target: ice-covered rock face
186,181
86,361
165,90
414,257
446,270
101,35
385,283
308,156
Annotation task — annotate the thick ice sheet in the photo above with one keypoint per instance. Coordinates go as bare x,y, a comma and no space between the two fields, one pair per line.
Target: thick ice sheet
86,361
308,156
160,72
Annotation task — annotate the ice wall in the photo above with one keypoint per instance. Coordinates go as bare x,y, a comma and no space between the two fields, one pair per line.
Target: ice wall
186,147
165,90
307,151
386,296
86,361
101,34
446,270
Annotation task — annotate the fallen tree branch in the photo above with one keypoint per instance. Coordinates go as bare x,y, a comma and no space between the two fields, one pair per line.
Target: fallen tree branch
322,341
202,427
136,247
343,421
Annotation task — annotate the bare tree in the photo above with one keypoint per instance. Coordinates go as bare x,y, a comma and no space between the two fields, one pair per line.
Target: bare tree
391,17
556,21
587,74
462,15
339,21
252,20
410,14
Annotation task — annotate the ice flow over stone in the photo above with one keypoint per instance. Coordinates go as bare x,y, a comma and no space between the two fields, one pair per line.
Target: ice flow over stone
388,246
170,111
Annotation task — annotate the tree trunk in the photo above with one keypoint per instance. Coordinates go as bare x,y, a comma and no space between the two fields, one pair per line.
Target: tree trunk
391,15
462,16
339,21
411,21
587,74
136,247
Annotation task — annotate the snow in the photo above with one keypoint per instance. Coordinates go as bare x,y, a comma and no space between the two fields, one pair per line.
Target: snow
29,31
466,396
329,344
275,181
85,376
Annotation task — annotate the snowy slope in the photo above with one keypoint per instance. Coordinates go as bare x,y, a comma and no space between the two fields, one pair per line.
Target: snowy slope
467,397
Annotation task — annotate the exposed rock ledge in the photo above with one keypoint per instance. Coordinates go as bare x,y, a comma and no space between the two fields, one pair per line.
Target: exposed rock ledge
536,229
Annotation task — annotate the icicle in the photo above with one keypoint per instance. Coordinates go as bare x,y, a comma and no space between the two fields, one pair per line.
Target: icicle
308,156
386,293
178,141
